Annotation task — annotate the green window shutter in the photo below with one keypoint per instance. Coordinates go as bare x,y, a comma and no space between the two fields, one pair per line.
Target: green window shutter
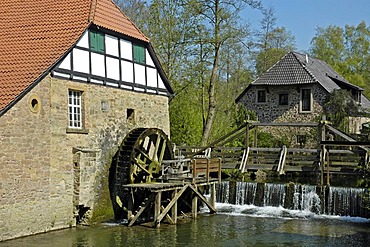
96,41
139,54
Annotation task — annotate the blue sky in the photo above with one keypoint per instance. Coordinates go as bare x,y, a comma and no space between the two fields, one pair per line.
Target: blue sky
302,17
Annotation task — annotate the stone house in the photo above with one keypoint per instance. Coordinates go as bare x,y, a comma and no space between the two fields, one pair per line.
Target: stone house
295,90
75,77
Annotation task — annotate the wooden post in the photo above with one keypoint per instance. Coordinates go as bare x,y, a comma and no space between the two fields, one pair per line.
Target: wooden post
194,167
157,207
194,205
130,205
322,161
207,170
323,149
255,137
247,135
219,170
327,168
213,195
174,207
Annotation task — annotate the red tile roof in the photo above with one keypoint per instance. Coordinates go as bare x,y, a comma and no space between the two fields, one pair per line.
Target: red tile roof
36,33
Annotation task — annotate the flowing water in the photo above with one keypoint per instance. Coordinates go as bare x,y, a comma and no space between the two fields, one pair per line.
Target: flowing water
239,224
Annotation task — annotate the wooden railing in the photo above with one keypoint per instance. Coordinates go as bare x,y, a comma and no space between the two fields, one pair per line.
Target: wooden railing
283,159
205,166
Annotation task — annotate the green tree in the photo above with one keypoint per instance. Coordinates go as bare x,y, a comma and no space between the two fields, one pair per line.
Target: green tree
220,23
203,50
339,105
346,50
136,10
273,42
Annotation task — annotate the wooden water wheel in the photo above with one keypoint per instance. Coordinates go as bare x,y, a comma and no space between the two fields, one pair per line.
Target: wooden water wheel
138,160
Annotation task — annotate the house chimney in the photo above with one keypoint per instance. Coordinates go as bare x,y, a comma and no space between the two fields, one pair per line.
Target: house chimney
306,58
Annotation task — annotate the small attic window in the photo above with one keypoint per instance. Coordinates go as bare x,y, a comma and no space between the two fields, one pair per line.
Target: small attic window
130,115
34,103
139,54
96,41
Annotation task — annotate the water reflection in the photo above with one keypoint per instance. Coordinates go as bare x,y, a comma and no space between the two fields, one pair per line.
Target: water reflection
226,228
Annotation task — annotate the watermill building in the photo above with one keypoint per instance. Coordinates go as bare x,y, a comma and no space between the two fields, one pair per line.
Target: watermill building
76,76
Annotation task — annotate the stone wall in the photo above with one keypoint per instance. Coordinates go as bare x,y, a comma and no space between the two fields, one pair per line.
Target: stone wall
271,111
46,172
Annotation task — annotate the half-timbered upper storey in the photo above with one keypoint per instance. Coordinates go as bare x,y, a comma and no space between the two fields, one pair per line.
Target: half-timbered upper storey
90,41
103,57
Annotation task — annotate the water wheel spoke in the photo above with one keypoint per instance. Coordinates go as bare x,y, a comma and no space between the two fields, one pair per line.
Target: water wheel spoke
164,146
157,144
142,153
142,166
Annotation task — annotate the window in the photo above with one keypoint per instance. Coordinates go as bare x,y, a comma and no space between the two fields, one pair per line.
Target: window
283,99
306,100
74,109
130,115
139,54
96,41
261,96
301,139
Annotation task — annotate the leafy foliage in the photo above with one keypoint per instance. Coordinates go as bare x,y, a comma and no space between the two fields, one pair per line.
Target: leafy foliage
273,42
340,104
346,50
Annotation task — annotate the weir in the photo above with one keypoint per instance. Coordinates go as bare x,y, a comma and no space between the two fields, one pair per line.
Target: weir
341,201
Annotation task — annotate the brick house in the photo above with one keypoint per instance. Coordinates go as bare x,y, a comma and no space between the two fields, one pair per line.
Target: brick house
295,89
75,77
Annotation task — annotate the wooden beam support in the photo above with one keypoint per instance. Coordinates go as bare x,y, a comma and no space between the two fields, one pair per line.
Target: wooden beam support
255,137
137,215
168,217
157,207
213,195
158,219
174,208
211,208
247,135
328,168
194,206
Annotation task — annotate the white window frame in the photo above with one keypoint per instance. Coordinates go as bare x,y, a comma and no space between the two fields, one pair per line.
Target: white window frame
301,101
257,93
75,120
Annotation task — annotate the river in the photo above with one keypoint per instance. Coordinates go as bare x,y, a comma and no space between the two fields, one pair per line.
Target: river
233,225
311,220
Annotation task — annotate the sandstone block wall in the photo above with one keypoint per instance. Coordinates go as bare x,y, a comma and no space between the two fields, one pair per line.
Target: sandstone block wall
48,172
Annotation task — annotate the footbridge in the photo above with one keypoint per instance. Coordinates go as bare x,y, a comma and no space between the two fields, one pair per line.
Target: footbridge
332,152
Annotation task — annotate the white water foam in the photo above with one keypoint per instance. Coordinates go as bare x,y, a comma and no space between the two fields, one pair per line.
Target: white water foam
279,212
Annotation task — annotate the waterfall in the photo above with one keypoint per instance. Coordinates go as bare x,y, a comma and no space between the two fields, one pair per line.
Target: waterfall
345,201
341,201
245,193
274,195
223,192
305,198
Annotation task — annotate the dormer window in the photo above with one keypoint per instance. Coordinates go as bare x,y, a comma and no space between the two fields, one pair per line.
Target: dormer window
96,41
